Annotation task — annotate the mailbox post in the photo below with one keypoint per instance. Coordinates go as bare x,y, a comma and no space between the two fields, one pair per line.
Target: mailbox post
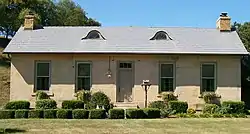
146,85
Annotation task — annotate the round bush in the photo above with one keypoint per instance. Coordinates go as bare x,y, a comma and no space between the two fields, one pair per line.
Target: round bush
168,97
158,104
80,114
46,104
191,111
72,104
64,114
36,113
21,113
50,113
152,112
40,95
7,114
18,105
97,114
210,98
116,114
178,106
134,113
210,108
100,99
84,95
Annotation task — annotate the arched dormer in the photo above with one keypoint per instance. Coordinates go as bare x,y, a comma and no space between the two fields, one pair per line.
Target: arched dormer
94,34
161,35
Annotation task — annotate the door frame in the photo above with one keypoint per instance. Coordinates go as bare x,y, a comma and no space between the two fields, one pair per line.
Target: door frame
118,77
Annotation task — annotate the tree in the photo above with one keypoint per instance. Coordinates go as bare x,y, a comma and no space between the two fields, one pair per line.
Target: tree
47,12
244,32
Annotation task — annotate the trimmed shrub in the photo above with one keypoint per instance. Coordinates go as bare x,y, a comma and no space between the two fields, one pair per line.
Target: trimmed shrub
191,111
97,114
100,99
22,113
210,108
18,105
234,106
157,104
49,113
178,106
40,95
168,97
166,112
46,104
83,95
116,114
80,114
7,114
134,113
72,104
152,112
36,113
210,98
64,114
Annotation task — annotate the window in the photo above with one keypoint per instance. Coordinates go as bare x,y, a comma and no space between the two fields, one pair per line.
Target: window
161,35
83,76
126,65
167,77
208,77
42,75
94,34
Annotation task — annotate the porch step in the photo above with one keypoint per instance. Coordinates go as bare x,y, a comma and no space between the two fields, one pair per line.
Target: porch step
126,105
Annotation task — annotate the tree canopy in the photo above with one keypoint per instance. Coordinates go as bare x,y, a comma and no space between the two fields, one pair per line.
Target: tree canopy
47,13
244,33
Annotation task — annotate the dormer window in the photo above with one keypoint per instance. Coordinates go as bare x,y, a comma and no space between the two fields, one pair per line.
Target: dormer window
94,34
161,35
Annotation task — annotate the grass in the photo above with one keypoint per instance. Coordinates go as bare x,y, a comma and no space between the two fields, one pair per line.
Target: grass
157,126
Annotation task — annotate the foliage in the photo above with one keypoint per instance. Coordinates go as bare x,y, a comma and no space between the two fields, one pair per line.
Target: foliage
22,113
116,114
216,115
134,113
80,114
36,113
17,105
100,99
84,95
205,115
168,97
222,110
158,104
64,114
90,106
178,106
244,32
234,106
40,95
7,114
152,113
210,98
72,104
97,114
46,104
210,108
167,112
191,111
49,113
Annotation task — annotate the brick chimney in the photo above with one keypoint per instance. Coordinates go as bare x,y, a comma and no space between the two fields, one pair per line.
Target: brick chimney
29,21
224,22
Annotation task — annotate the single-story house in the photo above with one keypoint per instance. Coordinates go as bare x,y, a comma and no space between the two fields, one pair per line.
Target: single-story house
115,60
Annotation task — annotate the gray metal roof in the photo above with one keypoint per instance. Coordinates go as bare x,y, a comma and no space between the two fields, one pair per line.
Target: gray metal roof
126,40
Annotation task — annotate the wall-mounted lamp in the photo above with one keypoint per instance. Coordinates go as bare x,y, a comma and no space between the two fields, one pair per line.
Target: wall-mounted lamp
109,73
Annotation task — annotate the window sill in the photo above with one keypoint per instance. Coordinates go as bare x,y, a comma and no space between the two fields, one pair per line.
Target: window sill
203,93
49,93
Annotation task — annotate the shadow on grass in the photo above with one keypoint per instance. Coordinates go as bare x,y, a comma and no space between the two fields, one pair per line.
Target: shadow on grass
11,130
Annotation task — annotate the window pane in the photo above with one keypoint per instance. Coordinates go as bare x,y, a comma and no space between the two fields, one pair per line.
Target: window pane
208,70
208,85
43,69
167,70
42,83
83,69
83,83
167,84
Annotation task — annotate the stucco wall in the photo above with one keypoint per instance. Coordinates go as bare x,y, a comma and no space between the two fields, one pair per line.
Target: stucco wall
145,67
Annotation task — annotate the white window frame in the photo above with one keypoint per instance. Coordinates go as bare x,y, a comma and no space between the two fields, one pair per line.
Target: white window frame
36,75
76,74
174,76
214,78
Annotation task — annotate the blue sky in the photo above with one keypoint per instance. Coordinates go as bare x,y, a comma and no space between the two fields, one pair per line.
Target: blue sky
177,13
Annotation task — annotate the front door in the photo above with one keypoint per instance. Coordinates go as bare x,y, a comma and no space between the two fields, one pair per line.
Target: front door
125,81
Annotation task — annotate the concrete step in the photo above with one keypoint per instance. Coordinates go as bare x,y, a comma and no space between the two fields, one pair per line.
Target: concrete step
126,105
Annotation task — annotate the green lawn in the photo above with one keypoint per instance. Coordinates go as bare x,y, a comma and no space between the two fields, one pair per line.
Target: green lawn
157,126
